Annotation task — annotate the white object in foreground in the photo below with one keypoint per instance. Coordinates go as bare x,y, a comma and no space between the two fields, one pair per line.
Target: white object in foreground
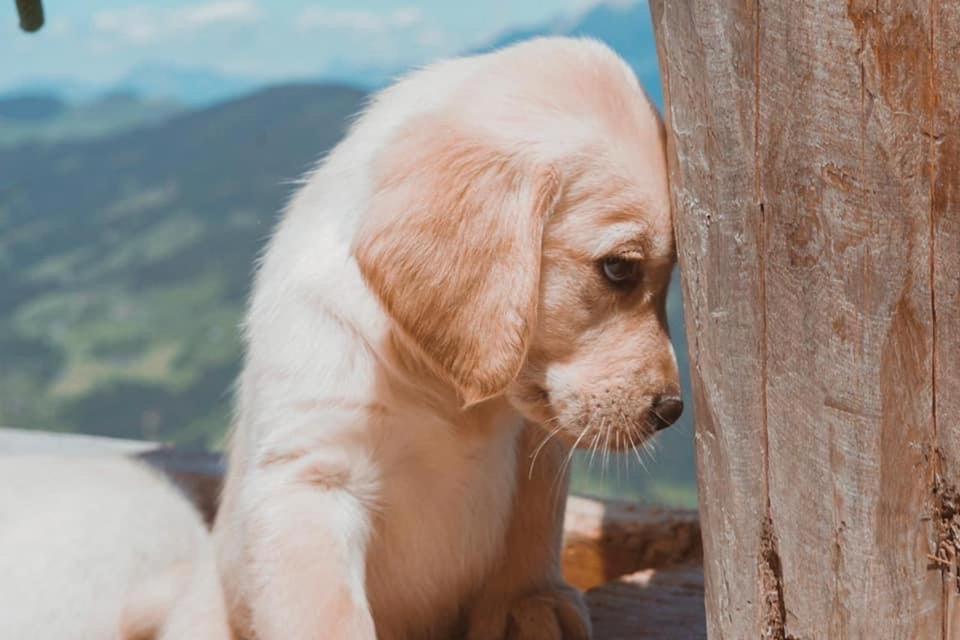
77,534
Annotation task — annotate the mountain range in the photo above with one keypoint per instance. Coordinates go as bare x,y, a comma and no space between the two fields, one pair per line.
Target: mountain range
624,26
126,252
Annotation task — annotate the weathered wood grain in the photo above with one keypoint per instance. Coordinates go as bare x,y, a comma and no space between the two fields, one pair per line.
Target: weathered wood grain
651,604
824,135
708,64
845,94
605,539
943,137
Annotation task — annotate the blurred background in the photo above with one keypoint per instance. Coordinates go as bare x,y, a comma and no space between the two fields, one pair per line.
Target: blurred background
146,149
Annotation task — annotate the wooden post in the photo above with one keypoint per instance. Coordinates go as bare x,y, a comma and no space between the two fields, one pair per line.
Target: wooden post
815,166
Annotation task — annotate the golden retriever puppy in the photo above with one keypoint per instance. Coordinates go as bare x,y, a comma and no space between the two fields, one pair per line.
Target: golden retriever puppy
482,263
77,533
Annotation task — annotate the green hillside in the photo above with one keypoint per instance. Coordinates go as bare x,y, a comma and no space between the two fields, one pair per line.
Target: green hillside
43,117
125,261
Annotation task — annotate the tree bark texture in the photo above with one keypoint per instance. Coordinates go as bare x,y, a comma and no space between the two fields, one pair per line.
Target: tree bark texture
814,150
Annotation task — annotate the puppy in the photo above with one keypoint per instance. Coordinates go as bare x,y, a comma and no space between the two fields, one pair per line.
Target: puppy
475,276
77,534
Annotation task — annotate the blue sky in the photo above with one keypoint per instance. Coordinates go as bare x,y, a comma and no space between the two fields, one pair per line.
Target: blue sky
98,41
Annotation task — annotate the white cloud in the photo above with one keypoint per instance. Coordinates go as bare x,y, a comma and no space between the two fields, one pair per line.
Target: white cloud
60,26
143,24
229,11
614,4
134,24
359,20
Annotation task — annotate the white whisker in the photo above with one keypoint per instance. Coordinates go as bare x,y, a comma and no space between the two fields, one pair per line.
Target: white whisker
533,457
619,459
650,447
636,452
565,465
593,448
605,461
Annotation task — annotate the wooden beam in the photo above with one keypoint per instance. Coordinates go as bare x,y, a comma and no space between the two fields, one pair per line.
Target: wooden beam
652,604
711,116
606,539
943,138
815,168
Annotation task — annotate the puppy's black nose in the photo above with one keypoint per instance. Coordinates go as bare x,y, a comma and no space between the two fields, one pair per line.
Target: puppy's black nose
666,410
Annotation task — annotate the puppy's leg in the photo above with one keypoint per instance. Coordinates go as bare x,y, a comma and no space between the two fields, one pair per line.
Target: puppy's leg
149,604
306,523
199,612
526,598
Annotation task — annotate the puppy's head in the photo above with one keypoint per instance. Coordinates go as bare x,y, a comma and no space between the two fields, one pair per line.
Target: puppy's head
519,236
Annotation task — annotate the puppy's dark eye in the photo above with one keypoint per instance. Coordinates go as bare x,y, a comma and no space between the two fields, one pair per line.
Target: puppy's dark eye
621,272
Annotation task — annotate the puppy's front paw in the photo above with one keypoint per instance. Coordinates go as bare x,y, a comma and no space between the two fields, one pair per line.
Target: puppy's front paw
552,613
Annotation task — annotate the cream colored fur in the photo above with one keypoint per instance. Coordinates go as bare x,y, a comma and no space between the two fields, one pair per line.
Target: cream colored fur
77,535
431,307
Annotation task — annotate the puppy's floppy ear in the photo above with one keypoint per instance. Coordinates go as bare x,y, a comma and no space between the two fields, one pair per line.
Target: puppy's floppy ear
451,246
